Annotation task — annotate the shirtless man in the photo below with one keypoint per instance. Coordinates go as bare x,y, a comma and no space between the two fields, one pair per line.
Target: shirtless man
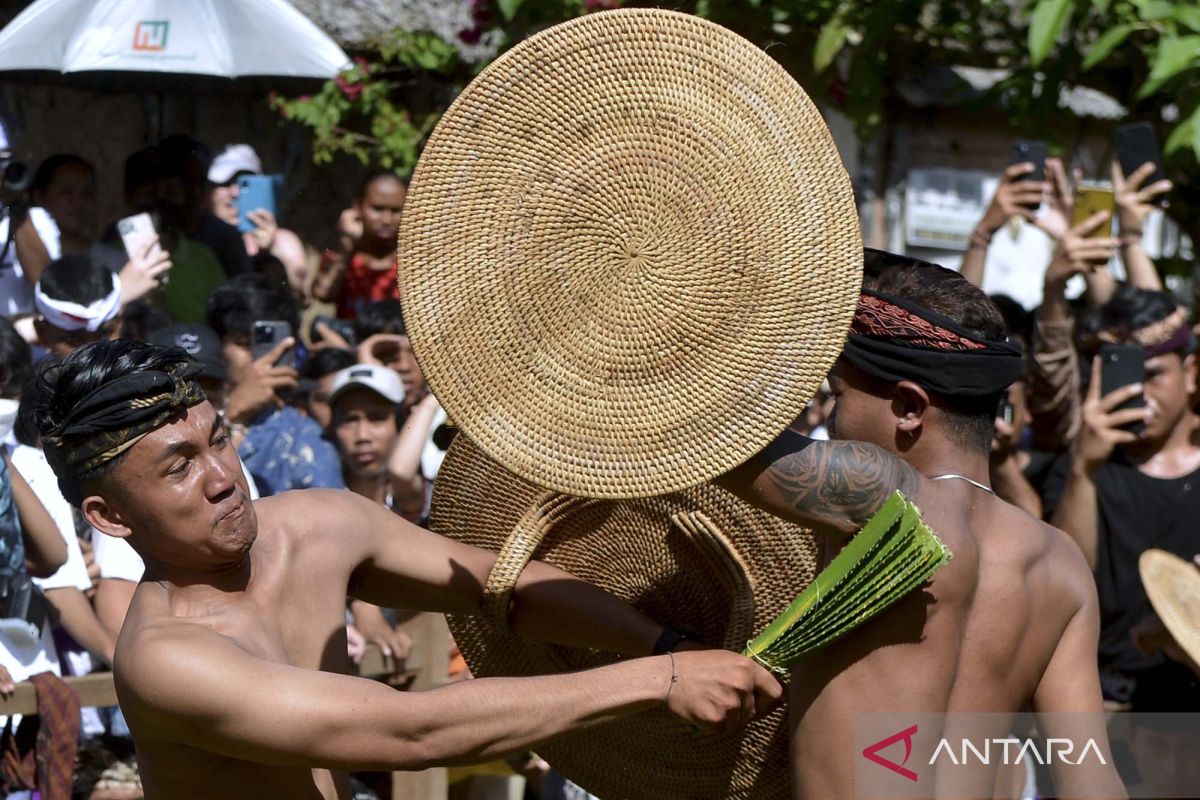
228,664
1013,617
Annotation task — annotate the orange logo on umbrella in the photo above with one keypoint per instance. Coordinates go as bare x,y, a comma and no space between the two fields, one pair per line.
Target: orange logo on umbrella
151,35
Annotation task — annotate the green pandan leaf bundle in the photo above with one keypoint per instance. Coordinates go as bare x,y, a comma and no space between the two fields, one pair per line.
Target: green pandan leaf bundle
893,554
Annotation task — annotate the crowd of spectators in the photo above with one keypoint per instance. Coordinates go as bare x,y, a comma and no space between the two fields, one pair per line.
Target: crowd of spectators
338,402
341,401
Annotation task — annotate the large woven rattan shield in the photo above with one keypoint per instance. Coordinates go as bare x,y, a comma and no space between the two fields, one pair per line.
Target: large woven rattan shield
700,559
629,255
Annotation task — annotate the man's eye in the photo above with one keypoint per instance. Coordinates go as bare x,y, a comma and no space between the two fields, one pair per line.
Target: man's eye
178,469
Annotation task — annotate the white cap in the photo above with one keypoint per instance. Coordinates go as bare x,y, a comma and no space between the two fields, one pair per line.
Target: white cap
234,159
380,380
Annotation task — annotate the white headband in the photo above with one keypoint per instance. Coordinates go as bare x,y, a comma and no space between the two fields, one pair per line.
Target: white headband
68,316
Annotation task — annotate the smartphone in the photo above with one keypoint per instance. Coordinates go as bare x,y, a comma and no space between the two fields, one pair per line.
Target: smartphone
1005,409
265,334
135,231
1137,144
255,192
1030,151
1122,365
342,327
1088,200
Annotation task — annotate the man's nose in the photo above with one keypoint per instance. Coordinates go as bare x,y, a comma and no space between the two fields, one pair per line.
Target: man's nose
220,477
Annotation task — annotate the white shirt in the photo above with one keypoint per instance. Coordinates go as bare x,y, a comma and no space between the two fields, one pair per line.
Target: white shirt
32,464
16,295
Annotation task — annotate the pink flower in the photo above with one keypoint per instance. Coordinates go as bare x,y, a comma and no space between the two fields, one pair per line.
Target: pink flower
352,90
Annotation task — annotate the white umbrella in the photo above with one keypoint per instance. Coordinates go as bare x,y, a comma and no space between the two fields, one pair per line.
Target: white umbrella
225,38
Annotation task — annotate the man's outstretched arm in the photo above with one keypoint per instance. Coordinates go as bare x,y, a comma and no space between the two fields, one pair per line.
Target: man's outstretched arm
832,487
193,687
396,564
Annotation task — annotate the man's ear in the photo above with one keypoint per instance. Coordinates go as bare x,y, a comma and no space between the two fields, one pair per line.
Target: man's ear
1189,374
102,516
909,404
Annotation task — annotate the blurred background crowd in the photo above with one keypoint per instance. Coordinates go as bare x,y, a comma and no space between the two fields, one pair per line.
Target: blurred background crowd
253,222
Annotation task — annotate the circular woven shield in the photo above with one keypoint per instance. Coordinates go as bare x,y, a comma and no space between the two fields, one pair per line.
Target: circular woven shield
629,255
700,559
1173,586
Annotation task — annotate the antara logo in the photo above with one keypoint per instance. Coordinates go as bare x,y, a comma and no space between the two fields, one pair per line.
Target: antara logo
150,35
986,752
871,753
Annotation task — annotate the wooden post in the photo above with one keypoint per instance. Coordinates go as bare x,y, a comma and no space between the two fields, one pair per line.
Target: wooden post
431,654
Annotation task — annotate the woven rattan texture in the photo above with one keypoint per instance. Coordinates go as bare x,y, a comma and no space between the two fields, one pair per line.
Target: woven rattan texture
1173,586
629,255
681,573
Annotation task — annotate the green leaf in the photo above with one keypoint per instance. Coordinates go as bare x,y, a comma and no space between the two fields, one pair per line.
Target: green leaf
1175,55
1100,5
829,43
509,7
1186,134
1189,17
1155,10
1048,19
1103,47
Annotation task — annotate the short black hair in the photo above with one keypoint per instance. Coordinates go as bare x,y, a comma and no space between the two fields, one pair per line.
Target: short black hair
1017,318
77,278
58,386
44,176
141,167
326,362
970,421
377,175
179,150
234,306
1131,309
380,316
140,318
16,359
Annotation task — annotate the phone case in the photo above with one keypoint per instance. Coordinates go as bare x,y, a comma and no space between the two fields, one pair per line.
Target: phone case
265,334
1089,200
1122,365
255,192
1030,151
135,231
1137,143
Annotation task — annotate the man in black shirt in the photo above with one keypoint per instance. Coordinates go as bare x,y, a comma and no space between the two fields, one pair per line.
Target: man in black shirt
1118,493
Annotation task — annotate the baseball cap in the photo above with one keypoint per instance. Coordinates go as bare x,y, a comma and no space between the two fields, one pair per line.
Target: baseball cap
234,159
381,380
198,341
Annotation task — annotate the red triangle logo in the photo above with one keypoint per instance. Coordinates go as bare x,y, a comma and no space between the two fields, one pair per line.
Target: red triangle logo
872,753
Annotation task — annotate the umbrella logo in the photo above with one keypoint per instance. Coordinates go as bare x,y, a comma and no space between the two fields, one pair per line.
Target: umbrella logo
150,35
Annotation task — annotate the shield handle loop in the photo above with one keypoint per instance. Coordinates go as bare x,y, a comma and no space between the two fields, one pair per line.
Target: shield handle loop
527,535
730,567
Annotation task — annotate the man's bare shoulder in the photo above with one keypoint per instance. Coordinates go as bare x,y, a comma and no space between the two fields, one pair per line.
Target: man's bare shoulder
162,664
313,514
1054,567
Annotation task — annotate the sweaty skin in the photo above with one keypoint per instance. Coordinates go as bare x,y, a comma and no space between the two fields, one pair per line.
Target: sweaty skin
1011,620
229,665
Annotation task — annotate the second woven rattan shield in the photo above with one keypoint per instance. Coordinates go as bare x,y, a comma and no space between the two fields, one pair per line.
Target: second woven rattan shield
629,255
700,559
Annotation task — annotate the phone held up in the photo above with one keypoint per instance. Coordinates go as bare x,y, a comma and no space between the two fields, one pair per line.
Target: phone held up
257,192
265,335
135,232
1137,144
1123,365
1090,198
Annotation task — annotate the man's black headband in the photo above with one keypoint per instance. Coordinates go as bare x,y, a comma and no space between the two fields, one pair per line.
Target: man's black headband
894,340
117,415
